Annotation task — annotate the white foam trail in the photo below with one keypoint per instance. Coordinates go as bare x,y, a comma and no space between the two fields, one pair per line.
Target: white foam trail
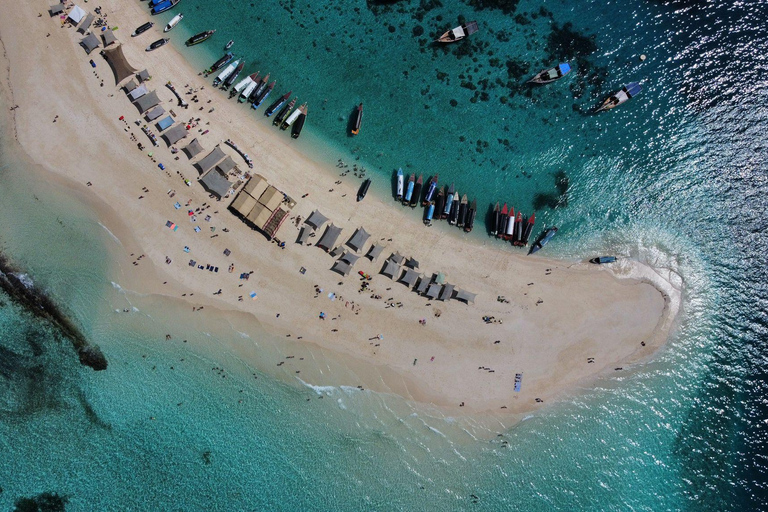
111,234
25,280
117,286
320,390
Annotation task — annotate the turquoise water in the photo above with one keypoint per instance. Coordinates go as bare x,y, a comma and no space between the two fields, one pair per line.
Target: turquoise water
675,178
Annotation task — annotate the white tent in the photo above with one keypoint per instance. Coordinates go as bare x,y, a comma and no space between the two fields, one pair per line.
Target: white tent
76,14
138,92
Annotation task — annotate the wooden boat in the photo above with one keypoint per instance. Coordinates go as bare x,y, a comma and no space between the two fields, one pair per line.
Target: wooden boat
448,202
429,212
259,89
417,191
409,190
458,33
440,204
283,113
453,215
224,74
363,190
431,189
601,260
299,124
229,44
528,228
470,222
626,93
142,28
399,192
174,21
244,83
165,5
263,95
231,78
463,207
157,44
358,119
518,234
501,225
277,104
552,74
219,63
199,38
495,219
248,90
509,229
293,117
543,239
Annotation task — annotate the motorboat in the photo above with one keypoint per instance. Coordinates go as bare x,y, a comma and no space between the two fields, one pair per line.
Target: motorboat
244,83
199,38
142,28
429,212
174,21
229,44
223,61
463,209
453,215
399,194
552,74
501,226
518,234
298,125
470,222
263,95
358,119
293,117
458,33
601,260
277,104
409,189
224,74
625,94
283,113
165,5
231,78
157,44
262,84
417,191
440,203
448,202
431,189
363,190
528,229
543,239
509,229
495,220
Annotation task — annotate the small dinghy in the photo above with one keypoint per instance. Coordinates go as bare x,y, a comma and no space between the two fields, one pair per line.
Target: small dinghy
229,44
458,33
601,260
550,75
625,94
543,239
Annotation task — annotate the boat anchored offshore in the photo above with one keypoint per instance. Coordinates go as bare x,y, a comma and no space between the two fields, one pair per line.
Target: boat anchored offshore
399,195
458,33
229,44
199,38
625,94
163,6
363,190
543,239
284,113
157,44
299,124
143,28
277,104
174,21
550,75
358,119
601,260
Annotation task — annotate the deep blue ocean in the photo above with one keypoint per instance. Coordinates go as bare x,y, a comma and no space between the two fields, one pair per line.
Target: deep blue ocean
676,178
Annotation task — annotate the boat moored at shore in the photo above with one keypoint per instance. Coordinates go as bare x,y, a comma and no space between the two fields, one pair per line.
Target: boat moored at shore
231,78
399,191
142,28
470,222
298,125
277,104
157,44
545,237
602,260
363,190
174,21
358,120
416,191
280,117
223,61
163,6
225,73
431,189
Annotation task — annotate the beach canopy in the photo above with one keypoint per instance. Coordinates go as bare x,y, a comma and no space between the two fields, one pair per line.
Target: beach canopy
109,37
409,277
271,198
175,134
423,284
138,92
316,220
447,292
119,64
304,235
358,239
193,148
259,216
390,269
210,160
147,101
130,86
86,24
56,9
374,252
90,43
155,113
76,14
433,291
397,258
350,258
164,123
342,267
256,186
243,204
143,75
227,165
466,296
216,183
412,263
328,240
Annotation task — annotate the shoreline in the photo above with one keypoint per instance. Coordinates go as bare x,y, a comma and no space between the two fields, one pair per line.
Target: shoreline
276,276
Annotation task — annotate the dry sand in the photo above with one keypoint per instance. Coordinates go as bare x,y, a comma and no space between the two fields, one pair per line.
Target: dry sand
559,314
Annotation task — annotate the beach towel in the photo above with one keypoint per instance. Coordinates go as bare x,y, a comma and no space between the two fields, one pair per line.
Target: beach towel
177,206
197,229
253,295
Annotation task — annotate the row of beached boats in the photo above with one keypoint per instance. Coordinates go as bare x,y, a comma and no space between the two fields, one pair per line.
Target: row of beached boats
440,203
517,229
255,89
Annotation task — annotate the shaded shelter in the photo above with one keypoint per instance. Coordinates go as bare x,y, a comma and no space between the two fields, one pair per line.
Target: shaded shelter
227,165
256,185
143,75
175,134
433,291
165,123
76,14
412,263
304,235
271,198
243,204
391,269
358,239
328,240
440,278
86,24
193,148
374,252
56,9
108,37
118,63
465,296
409,277
216,184
138,92
259,215
350,258
342,267
210,160
90,43
155,113
397,258
447,292
130,86
316,220
147,101
423,284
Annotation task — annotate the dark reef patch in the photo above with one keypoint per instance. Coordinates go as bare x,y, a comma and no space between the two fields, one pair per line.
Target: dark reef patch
45,502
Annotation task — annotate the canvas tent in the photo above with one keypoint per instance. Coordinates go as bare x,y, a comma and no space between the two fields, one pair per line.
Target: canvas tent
76,14
117,61
358,239
86,24
210,160
374,252
175,134
256,185
423,284
144,75
328,240
90,43
316,220
109,37
147,101
155,113
193,149
390,269
397,258
409,277
433,291
243,204
466,296
164,123
138,92
271,198
447,292
345,264
304,235
56,9
227,165
259,215
412,263
130,86
216,183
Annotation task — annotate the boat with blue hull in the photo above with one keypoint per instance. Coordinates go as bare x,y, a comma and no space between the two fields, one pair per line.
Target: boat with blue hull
431,189
448,203
409,189
602,260
551,75
543,240
626,93
165,5
263,96
277,104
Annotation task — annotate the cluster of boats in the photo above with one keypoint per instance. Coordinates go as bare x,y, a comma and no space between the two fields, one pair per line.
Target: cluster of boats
441,203
159,6
255,89
518,228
